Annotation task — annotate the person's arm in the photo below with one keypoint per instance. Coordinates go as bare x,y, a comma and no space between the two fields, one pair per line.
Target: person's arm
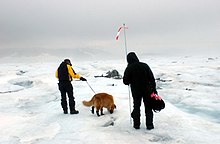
126,77
152,81
72,73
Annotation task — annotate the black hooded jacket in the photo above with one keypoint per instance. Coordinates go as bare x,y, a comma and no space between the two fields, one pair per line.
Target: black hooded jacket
139,76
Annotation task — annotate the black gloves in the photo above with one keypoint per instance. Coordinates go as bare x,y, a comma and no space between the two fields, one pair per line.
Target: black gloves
82,79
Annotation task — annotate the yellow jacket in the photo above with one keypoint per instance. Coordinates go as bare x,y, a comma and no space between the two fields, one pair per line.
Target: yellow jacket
70,72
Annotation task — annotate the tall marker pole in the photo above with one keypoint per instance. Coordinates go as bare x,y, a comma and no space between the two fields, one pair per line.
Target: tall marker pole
126,53
126,50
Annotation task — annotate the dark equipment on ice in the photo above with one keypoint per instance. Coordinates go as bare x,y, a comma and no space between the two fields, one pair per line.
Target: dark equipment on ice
111,74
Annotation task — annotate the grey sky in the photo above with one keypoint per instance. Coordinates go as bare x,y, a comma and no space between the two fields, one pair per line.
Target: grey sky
154,26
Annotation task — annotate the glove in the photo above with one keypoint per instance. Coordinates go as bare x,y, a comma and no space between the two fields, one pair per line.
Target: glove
82,79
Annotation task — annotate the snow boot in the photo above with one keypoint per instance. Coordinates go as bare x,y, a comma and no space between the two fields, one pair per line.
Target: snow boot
150,127
65,112
136,120
74,112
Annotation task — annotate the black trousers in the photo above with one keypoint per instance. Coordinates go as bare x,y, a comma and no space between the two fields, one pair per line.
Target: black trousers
66,87
136,111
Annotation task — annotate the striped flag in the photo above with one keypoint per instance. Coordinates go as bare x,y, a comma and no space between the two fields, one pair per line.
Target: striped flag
119,31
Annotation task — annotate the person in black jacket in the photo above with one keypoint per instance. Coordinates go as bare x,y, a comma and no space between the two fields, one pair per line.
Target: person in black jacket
142,82
65,73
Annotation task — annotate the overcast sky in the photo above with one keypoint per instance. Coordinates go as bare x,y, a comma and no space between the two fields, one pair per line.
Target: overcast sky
154,26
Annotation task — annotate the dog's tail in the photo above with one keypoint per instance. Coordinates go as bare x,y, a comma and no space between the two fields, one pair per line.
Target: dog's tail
88,103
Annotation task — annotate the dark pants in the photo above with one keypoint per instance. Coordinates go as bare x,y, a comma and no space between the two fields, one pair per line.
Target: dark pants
136,111
66,87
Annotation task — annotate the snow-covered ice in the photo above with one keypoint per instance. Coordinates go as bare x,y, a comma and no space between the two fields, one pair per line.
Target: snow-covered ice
30,111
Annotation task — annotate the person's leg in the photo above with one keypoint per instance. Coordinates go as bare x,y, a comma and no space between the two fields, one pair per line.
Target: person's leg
71,99
136,112
63,98
149,115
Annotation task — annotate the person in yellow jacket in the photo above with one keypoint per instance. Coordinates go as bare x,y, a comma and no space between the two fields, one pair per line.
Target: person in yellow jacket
65,74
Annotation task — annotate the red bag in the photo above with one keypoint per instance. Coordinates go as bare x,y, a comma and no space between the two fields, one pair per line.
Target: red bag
156,102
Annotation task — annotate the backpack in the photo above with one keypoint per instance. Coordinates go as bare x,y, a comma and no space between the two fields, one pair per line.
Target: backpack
156,103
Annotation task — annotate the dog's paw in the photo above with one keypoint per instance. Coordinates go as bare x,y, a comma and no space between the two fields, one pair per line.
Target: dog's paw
97,112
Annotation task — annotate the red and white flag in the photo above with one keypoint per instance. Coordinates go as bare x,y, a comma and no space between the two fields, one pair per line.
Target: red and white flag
119,31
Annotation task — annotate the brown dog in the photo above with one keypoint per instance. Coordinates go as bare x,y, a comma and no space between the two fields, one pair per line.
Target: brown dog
99,101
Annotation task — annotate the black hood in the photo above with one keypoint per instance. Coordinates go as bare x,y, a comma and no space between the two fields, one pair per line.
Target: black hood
132,58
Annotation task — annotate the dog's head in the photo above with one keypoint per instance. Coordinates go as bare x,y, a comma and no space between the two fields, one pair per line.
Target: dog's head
111,109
